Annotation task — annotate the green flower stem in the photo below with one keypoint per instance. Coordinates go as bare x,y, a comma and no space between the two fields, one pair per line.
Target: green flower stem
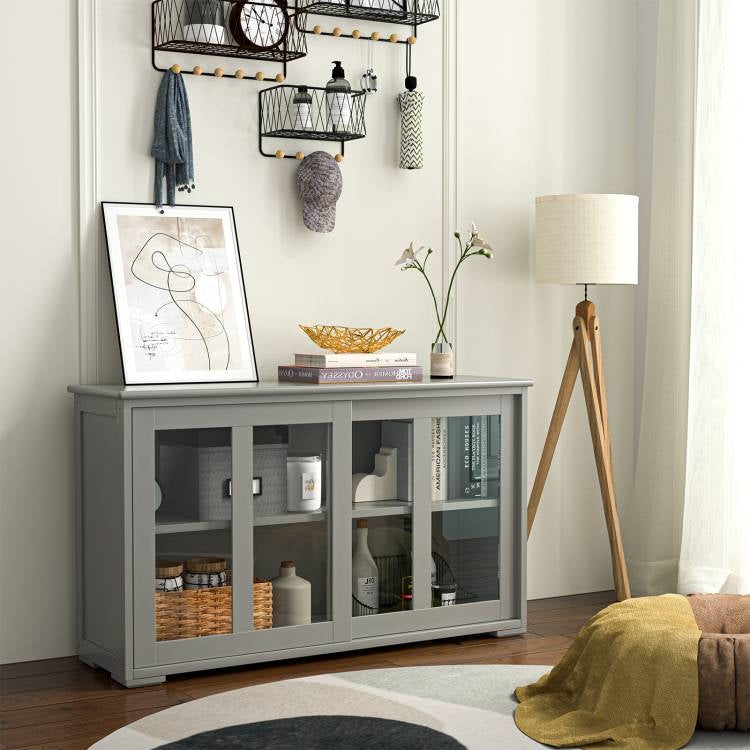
465,251
421,269
462,258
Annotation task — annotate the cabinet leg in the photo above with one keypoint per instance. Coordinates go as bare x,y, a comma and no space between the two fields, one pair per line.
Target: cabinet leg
134,682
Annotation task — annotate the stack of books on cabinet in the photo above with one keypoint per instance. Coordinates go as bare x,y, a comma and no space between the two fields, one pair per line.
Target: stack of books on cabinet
326,367
465,458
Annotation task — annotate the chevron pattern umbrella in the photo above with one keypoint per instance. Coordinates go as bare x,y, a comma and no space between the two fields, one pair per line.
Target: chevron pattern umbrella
411,152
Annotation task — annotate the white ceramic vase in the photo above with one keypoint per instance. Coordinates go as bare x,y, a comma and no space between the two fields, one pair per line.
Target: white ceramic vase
292,597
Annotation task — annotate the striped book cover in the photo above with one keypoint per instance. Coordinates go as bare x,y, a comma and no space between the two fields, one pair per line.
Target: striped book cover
325,375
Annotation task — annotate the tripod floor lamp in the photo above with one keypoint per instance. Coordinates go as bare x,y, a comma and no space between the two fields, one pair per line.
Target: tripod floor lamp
587,239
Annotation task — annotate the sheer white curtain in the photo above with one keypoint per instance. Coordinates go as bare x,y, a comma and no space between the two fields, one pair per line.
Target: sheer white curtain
715,554
652,518
687,526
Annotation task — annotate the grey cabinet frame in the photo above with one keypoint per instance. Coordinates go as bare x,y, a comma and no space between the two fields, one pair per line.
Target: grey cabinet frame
115,434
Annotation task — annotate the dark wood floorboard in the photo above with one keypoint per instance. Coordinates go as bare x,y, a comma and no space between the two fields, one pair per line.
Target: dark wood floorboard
61,704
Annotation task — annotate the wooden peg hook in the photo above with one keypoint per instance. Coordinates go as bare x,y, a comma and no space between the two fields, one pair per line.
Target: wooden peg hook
175,68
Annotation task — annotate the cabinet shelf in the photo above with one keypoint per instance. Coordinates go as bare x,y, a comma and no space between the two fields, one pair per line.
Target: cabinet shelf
381,508
462,504
281,519
173,523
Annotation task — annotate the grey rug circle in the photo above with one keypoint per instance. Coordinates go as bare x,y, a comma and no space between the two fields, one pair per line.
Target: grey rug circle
320,733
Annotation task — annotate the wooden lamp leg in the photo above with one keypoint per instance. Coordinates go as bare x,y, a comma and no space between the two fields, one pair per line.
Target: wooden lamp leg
601,454
586,357
555,426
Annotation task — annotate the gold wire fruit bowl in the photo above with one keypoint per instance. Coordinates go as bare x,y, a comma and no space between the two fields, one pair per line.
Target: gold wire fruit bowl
343,340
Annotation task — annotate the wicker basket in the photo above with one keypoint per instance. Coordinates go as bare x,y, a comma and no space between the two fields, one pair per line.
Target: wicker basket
199,612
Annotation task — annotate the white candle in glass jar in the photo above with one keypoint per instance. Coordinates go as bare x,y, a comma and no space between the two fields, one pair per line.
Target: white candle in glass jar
303,483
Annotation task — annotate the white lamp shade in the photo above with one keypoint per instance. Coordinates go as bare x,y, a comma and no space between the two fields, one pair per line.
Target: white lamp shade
587,239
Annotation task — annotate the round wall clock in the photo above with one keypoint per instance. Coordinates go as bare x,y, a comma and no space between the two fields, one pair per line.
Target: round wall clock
259,26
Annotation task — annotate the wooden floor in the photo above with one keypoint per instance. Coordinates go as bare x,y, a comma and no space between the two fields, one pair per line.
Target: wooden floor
61,704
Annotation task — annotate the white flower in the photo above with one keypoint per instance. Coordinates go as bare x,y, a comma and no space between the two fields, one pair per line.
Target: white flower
410,255
474,230
477,241
407,256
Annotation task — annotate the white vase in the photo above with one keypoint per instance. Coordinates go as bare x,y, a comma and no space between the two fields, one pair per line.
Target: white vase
292,597
441,361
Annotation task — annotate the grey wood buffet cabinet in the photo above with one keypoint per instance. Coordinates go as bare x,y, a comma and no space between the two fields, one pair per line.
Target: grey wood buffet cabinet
455,521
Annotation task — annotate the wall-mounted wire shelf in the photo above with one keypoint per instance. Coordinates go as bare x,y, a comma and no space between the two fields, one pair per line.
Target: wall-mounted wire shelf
407,12
205,27
321,118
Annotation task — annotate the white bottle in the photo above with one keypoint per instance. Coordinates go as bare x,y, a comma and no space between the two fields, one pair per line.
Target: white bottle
338,101
364,571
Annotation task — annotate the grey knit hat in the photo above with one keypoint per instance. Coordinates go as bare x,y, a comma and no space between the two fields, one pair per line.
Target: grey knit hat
320,184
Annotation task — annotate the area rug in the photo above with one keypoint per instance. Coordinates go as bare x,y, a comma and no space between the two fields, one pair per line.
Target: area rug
440,708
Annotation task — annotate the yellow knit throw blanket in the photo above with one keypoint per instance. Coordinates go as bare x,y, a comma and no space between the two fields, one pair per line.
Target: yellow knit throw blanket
629,680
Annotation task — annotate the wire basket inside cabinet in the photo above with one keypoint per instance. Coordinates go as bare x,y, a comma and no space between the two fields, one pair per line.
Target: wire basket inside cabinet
394,585
394,582
310,113
262,30
409,12
195,613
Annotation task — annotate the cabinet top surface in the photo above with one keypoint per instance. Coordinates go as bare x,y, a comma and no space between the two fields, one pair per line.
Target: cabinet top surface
274,388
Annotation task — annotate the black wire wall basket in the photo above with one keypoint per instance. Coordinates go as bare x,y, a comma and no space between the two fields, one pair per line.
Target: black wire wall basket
213,27
310,113
408,12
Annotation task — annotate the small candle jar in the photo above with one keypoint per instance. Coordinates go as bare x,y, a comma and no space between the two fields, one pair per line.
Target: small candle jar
168,576
205,572
444,594
303,483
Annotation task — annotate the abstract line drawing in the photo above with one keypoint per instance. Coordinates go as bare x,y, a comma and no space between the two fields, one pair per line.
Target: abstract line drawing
179,295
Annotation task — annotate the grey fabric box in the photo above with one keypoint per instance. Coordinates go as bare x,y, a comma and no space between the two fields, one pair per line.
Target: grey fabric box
215,467
269,463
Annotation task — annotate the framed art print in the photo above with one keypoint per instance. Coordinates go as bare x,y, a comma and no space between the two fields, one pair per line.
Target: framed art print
179,294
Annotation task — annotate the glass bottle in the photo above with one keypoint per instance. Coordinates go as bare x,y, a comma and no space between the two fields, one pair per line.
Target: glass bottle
364,571
302,109
338,101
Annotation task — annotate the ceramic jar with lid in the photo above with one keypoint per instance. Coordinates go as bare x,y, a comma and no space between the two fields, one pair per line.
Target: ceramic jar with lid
304,476
205,572
168,575
292,597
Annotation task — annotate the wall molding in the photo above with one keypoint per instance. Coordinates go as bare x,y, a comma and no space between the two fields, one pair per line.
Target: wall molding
451,23
88,193
89,230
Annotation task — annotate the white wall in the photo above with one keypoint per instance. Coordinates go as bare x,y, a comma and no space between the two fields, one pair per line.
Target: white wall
546,103
292,275
552,109
39,293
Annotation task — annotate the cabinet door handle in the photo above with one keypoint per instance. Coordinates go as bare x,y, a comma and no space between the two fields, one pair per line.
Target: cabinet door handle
257,487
